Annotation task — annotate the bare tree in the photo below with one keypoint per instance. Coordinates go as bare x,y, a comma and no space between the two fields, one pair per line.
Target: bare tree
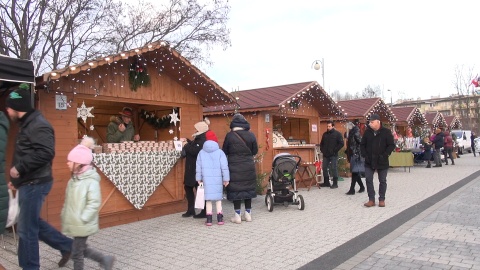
370,92
465,103
58,33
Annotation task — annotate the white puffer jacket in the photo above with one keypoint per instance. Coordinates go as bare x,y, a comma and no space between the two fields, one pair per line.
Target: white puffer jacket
82,203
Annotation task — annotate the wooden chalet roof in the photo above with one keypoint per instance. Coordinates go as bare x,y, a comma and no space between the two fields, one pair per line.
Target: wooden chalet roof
411,115
279,97
363,108
453,122
435,119
166,59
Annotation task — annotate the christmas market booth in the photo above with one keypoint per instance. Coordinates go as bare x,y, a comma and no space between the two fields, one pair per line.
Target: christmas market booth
166,95
362,109
453,122
13,72
284,119
411,126
435,120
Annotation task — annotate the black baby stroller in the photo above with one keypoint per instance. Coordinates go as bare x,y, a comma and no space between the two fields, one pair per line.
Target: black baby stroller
282,187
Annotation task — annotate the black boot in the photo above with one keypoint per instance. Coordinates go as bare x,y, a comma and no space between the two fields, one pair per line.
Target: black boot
202,214
209,220
351,191
326,182
429,165
360,183
189,213
220,219
335,181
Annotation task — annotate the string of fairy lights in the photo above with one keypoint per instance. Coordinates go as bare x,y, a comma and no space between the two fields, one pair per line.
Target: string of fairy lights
160,58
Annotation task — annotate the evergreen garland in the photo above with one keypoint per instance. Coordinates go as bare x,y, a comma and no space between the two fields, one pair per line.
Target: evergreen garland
154,121
138,75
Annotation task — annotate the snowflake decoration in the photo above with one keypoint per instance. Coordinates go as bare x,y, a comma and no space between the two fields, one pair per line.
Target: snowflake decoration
92,127
170,131
174,118
84,112
175,138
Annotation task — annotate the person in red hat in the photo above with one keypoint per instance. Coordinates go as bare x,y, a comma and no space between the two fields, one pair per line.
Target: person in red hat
121,128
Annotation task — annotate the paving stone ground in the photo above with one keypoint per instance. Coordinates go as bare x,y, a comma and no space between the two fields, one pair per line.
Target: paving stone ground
443,236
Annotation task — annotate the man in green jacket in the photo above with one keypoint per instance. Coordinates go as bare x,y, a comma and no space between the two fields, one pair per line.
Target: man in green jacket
121,129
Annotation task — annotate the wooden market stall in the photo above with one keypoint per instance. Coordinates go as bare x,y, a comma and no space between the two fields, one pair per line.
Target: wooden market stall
140,180
435,120
453,122
410,120
13,72
284,118
361,109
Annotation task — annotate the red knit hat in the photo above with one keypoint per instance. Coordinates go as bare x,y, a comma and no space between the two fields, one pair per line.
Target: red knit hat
210,135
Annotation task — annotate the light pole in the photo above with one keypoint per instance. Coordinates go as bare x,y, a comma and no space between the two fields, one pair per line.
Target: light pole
391,99
317,66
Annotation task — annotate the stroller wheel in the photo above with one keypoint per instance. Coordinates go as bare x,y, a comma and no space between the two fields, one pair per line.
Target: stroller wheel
269,201
301,202
266,203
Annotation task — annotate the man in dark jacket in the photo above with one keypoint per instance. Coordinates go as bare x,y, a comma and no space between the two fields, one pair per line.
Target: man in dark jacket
376,146
331,143
31,176
4,126
438,143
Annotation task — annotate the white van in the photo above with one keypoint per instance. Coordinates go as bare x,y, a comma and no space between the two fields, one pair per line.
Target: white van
463,140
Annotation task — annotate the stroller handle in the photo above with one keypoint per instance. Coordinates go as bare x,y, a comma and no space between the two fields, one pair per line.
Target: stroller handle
297,157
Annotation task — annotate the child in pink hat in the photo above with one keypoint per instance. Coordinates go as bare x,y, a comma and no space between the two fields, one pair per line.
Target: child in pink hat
82,203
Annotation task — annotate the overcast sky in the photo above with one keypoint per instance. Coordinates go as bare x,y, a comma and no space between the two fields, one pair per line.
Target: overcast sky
410,47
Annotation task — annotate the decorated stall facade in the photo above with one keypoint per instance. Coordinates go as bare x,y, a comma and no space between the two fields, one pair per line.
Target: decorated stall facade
362,109
453,122
167,94
283,118
411,127
435,120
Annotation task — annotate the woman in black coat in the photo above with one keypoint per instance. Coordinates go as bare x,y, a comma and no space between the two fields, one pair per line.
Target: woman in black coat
240,146
357,163
190,152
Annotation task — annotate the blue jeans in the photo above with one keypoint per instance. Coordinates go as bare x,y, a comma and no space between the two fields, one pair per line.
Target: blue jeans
31,228
330,164
382,188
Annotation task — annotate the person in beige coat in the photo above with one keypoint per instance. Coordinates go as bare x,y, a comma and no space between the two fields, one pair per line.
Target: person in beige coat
82,203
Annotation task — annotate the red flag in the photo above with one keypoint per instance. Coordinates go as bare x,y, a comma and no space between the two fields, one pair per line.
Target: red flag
475,82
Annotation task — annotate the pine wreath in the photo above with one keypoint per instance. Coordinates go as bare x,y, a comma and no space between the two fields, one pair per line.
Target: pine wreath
154,121
138,75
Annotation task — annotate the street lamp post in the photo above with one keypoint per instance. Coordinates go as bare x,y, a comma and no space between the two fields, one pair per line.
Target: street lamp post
317,66
391,99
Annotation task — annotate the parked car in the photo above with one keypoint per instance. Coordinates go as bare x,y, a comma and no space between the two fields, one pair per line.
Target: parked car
464,142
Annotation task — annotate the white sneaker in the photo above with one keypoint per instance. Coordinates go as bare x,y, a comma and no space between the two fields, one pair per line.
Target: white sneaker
236,219
248,216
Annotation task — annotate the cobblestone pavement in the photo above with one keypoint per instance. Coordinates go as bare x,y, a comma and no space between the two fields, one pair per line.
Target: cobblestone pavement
444,235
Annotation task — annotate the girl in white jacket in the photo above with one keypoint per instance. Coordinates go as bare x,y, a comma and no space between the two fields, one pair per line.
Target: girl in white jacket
82,203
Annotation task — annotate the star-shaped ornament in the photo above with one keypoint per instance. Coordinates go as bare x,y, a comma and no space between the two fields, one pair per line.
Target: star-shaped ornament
174,117
170,131
84,112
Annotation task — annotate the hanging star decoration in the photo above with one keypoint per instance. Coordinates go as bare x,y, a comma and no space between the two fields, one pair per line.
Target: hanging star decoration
174,117
84,112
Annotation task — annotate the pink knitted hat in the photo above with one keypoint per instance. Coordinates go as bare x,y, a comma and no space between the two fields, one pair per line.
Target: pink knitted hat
82,153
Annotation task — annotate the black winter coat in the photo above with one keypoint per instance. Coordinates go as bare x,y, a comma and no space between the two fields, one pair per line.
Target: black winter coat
192,149
4,126
34,149
376,147
243,177
331,143
439,140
